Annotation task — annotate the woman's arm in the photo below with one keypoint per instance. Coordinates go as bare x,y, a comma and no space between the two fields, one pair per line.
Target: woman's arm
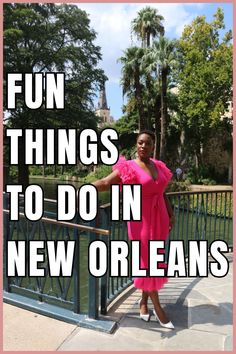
103,184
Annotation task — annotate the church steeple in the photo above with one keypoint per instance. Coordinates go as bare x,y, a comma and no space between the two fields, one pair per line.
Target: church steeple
102,103
103,111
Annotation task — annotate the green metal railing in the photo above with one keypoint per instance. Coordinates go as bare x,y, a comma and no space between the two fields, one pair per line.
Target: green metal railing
199,216
202,216
73,299
111,287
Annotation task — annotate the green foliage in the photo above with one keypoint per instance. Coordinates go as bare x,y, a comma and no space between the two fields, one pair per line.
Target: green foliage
131,80
203,204
178,186
208,181
36,170
201,175
219,204
100,172
145,74
204,76
126,124
13,172
49,38
52,38
148,24
137,84
199,66
161,58
126,127
53,171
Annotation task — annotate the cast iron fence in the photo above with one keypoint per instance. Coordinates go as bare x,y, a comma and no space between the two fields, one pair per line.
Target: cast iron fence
199,216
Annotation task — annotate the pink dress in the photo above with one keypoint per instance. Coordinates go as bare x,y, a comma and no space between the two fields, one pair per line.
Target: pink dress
155,219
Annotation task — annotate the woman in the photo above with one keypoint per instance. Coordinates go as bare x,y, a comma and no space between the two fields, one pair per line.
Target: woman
157,214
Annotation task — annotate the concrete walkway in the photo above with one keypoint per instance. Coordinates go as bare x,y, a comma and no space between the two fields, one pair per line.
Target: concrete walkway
201,310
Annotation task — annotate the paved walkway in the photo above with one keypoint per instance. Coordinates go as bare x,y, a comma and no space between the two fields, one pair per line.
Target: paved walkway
201,310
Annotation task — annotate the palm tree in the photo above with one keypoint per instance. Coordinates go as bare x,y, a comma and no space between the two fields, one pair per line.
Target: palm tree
148,23
131,79
159,59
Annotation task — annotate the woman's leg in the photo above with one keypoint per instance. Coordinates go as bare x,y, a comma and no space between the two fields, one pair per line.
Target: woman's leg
157,306
143,303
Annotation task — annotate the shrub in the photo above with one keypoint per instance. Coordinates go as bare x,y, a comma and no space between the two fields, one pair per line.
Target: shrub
176,186
13,172
35,170
100,172
208,181
200,176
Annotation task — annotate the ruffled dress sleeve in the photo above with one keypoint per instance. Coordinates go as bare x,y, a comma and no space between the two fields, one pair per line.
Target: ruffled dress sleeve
167,174
126,173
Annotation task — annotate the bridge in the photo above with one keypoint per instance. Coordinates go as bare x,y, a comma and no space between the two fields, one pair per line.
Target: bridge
83,299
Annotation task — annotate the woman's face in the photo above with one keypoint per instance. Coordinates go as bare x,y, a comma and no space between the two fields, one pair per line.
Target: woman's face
145,146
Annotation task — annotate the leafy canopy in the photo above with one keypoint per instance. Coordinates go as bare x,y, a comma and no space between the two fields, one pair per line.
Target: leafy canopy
204,74
50,38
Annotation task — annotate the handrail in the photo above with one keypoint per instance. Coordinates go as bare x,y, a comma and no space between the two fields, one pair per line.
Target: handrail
106,205
69,224
200,215
200,192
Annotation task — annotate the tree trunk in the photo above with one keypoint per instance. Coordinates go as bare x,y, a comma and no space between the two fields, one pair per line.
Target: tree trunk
43,170
181,147
149,123
138,97
148,39
23,169
198,155
230,170
196,161
163,114
157,127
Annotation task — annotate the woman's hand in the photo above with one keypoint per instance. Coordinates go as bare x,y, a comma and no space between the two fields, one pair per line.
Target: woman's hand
171,222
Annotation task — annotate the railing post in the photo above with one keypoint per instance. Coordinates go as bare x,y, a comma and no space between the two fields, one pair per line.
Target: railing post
93,285
76,271
6,283
104,280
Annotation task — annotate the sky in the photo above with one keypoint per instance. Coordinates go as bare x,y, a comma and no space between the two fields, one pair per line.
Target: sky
112,22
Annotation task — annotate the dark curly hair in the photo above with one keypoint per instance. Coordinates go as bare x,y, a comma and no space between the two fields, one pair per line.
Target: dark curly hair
148,132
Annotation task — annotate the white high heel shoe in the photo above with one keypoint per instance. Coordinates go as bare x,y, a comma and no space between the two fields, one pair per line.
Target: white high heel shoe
146,316
165,325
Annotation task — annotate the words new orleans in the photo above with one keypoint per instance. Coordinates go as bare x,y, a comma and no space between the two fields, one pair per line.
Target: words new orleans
113,257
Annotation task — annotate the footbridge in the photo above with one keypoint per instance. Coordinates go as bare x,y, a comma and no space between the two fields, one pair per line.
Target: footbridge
82,298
